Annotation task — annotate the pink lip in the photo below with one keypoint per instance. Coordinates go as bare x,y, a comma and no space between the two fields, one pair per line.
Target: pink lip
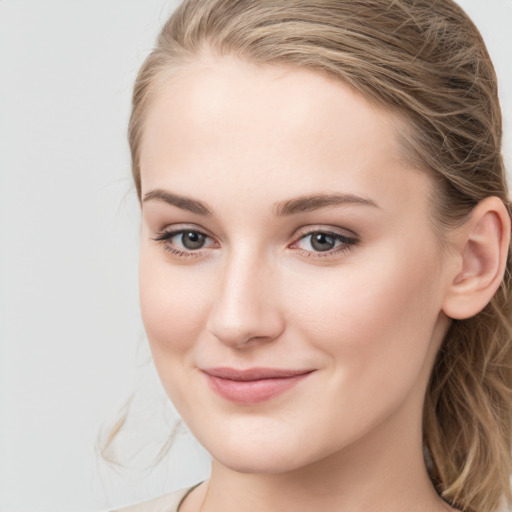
254,384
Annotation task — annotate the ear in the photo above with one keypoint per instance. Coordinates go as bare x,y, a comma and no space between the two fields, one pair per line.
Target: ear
482,252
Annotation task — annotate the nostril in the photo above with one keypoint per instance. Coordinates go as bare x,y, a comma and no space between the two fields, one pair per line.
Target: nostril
245,310
258,328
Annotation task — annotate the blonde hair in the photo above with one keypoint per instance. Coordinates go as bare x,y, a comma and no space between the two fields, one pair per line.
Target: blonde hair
425,61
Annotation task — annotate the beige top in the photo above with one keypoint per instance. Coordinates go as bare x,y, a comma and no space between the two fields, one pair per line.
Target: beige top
166,503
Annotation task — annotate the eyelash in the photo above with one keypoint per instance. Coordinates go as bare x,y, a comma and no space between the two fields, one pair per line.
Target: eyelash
164,238
347,243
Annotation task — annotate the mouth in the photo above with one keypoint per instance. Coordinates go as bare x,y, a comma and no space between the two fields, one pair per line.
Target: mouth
253,385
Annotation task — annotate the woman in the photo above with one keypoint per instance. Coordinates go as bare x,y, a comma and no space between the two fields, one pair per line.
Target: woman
325,254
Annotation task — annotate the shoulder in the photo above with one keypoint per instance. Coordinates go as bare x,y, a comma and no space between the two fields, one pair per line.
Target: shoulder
166,503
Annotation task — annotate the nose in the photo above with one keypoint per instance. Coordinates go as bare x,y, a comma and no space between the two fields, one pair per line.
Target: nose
246,310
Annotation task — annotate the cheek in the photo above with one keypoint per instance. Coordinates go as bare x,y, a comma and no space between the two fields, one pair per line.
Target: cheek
173,307
375,315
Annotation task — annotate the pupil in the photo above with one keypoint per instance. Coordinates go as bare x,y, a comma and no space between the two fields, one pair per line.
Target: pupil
192,240
322,242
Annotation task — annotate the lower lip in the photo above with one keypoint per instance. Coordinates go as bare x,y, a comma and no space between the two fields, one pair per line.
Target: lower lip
252,391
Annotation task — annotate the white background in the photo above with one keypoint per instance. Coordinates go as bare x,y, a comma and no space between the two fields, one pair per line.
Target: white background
72,346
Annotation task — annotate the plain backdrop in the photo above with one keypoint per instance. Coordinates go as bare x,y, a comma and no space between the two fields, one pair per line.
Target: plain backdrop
72,347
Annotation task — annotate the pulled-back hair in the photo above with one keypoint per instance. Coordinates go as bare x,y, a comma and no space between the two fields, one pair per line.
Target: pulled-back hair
425,61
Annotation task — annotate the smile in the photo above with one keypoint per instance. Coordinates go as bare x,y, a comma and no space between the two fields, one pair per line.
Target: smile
253,385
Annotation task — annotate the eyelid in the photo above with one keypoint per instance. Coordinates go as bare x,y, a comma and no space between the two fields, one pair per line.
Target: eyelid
165,235
347,238
328,229
174,229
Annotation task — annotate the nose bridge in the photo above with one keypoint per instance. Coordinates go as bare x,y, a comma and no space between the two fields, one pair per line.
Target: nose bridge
245,308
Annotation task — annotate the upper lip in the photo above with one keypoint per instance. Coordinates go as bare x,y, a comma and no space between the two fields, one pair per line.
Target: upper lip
254,373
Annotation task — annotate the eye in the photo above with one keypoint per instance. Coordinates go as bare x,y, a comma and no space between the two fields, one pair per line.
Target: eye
191,240
184,242
324,242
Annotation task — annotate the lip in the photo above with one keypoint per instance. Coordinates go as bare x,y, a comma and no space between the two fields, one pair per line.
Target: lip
252,385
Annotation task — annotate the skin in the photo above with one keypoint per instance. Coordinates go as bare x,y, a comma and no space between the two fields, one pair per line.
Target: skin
367,316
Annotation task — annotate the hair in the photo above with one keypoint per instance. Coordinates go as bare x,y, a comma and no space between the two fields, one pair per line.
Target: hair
425,61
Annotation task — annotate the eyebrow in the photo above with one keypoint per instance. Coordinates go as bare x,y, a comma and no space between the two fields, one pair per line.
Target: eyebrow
284,208
316,202
185,203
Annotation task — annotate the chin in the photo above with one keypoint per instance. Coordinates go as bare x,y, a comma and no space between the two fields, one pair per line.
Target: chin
259,461
266,451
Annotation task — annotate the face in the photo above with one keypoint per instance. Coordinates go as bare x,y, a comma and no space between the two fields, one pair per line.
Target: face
291,280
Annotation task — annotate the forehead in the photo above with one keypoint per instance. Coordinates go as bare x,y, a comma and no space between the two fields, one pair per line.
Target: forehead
226,122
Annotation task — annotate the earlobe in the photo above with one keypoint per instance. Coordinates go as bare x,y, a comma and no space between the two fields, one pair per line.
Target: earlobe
483,251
